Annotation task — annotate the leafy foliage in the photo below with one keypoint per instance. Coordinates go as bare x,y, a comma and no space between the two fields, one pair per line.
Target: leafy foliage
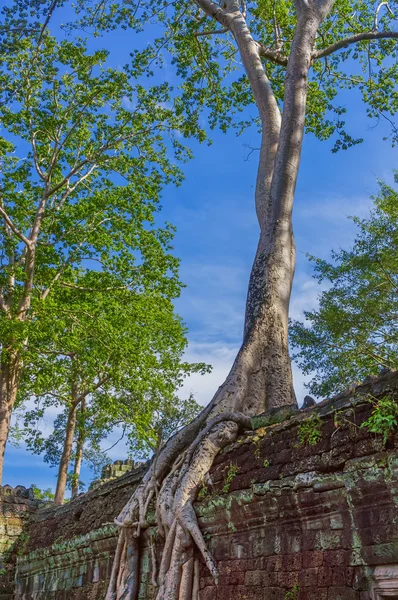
213,81
293,593
40,494
354,332
158,421
310,430
384,417
87,275
232,472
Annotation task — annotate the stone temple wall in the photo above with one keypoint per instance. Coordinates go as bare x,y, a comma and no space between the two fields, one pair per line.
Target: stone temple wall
285,520
16,506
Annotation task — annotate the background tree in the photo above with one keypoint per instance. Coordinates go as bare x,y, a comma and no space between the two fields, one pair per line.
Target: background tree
86,444
85,153
159,420
45,495
354,331
100,344
143,427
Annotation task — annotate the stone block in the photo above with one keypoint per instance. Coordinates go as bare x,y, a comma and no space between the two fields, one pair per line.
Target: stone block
334,558
312,559
342,593
308,577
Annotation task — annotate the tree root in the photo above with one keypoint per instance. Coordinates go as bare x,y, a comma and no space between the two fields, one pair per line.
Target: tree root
174,480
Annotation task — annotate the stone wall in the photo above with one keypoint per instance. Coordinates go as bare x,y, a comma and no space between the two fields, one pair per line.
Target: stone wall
114,471
285,520
16,506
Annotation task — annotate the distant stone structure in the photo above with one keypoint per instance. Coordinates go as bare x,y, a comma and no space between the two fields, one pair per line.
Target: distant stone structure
115,470
296,522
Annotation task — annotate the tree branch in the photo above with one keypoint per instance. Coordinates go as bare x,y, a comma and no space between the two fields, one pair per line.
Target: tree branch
215,11
354,39
375,22
93,389
46,22
272,55
215,32
61,270
3,304
119,440
40,173
14,229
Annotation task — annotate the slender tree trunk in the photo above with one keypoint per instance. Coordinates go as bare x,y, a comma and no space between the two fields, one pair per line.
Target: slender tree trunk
10,370
79,453
66,454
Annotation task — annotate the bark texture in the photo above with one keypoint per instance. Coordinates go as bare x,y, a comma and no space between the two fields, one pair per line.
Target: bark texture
261,376
10,370
66,454
79,453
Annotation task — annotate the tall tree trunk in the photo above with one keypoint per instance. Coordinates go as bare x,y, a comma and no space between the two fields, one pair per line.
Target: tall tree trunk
66,454
10,370
79,452
264,356
261,377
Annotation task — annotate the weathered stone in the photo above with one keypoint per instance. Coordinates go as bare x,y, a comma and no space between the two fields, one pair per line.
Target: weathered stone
320,517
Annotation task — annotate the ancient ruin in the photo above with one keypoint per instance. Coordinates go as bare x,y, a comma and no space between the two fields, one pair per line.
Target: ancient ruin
304,507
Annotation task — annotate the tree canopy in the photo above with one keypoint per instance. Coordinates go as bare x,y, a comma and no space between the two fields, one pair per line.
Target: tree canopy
355,48
87,274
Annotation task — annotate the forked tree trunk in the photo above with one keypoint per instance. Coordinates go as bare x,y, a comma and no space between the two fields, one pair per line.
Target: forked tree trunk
66,454
261,376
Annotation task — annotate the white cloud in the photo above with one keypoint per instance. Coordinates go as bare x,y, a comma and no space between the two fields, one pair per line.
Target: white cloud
128,104
221,356
333,209
217,354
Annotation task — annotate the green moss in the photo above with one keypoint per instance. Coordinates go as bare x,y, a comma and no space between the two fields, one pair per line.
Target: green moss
22,544
309,431
277,416
232,472
384,417
203,493
293,593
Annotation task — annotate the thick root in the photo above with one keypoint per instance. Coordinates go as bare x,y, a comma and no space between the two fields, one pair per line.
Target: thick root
177,522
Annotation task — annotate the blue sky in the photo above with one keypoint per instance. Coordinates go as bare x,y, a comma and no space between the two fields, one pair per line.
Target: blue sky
216,238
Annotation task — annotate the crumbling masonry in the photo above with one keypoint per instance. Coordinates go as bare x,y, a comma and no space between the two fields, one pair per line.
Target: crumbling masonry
284,519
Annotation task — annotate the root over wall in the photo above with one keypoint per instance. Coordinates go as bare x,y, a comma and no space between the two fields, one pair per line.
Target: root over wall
284,519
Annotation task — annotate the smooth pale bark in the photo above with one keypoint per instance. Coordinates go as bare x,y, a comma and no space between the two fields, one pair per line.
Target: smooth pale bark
66,454
77,468
261,377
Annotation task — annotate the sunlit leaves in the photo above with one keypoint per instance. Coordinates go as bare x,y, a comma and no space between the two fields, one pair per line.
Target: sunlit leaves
85,155
211,72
